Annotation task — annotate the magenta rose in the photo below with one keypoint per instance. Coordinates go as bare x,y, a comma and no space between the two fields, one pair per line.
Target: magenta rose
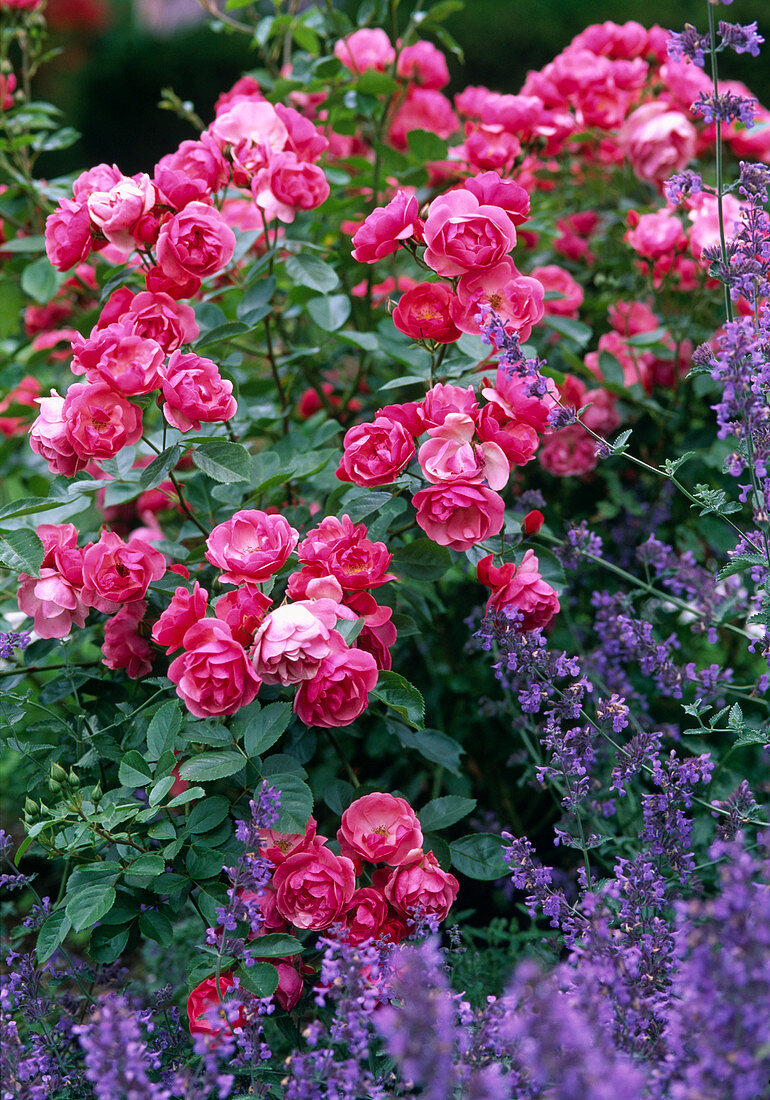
116,212
422,886
185,610
378,633
277,847
518,441
656,235
195,242
213,676
293,640
493,190
423,64
296,183
463,234
366,916
341,549
158,317
570,452
313,889
375,453
53,602
424,313
380,828
386,227
658,141
339,691
124,646
368,48
422,109
563,295
127,362
244,611
99,422
519,588
49,438
251,546
443,399
68,235
195,392
460,514
117,572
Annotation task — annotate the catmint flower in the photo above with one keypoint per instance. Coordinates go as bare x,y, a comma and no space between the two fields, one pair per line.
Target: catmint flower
688,44
682,185
742,39
10,640
118,1061
725,107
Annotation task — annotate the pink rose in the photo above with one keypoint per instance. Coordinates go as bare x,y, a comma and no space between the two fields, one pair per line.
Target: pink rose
563,295
463,235
517,440
490,147
368,48
376,453
510,394
378,633
459,515
340,548
293,640
251,546
423,109
656,235
117,572
124,646
366,916
49,438
385,228
442,399
424,64
492,190
201,162
116,212
185,610
204,998
53,602
424,313
304,138
657,141
516,298
195,242
213,676
520,589
422,887
290,984
313,889
277,847
158,317
380,828
243,610
292,184
251,132
98,421
195,392
68,235
631,318
451,455
569,453
339,692
128,363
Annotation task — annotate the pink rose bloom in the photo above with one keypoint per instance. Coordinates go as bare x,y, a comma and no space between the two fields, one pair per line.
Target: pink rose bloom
128,363
569,453
705,221
375,453
657,141
516,298
251,547
510,394
380,828
409,414
277,847
124,647
289,184
245,87
443,399
520,589
423,109
463,235
622,40
244,611
204,998
385,228
158,282
492,190
99,178
49,438
490,147
213,676
424,313
293,640
341,549
195,242
517,440
339,692
656,235
290,984
158,317
634,361
422,886
631,318
201,162
366,916
567,293
304,138
459,515
116,212
61,550
378,633
195,392
423,64
185,610
368,48
68,235
53,602
117,572
451,455
313,889
99,422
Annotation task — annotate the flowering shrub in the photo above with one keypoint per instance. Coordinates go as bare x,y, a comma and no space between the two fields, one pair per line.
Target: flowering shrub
315,515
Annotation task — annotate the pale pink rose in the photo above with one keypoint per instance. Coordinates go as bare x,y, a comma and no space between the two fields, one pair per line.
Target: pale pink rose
251,546
277,847
341,549
510,393
492,190
251,131
657,141
124,646
520,589
128,363
378,633
53,602
424,313
339,692
368,48
516,298
60,547
567,293
375,453
459,515
185,610
443,399
116,212
422,109
213,676
385,228
158,317
380,828
293,640
117,572
313,889
516,439
569,452
99,422
451,455
424,64
463,235
195,392
422,887
366,916
243,610
68,235
195,242
656,235
49,437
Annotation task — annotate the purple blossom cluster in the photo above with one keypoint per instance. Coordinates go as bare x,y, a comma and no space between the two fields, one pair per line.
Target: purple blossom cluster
12,639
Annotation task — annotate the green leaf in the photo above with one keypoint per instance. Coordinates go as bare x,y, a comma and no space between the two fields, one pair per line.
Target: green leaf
208,814
262,728
611,368
576,331
254,306
433,745
296,802
190,795
426,146
220,334
134,771
442,812
479,856
338,794
209,766
310,271
40,280
147,865
156,926
371,82
158,469
51,935
25,244
261,978
21,551
108,942
330,313
422,560
277,944
404,698
223,461
162,730
89,905
159,790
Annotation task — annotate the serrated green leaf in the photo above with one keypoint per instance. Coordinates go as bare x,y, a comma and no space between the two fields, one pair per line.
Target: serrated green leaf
40,280
479,856
311,272
421,560
208,766
208,814
276,945
223,461
402,697
162,730
260,979
433,745
261,728
158,469
51,935
134,771
443,812
296,802
21,551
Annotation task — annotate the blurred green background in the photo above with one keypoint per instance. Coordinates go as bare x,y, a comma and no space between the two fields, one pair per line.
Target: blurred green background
119,54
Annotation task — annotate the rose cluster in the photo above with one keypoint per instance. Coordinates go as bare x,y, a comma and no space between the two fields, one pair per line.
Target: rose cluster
376,890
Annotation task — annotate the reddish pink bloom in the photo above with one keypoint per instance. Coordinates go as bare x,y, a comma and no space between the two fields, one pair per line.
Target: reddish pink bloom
289,184
422,886
378,633
424,313
423,64
203,999
368,48
128,363
303,138
459,515
290,984
442,399
510,394
339,692
423,109
158,282
26,393
158,317
463,234
68,235
251,546
213,676
53,602
386,227
293,641
631,318
366,916
195,242
490,147
341,549
185,610
99,178
657,141
246,86
201,162
517,299
380,828
567,293
243,610
313,889
277,847
194,392
99,422
49,438
124,646
532,522
117,572
516,439
570,452
409,414
519,589
492,190
451,455
376,453
656,235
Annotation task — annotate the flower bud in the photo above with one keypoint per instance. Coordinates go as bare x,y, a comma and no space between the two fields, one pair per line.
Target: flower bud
532,522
